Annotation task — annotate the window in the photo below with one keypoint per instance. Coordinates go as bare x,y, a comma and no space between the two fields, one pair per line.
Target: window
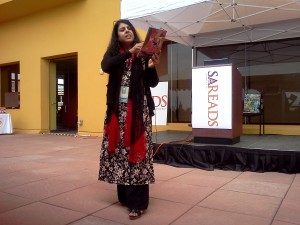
10,86
270,67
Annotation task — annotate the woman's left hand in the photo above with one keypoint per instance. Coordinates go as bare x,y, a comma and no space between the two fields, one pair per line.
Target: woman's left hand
154,60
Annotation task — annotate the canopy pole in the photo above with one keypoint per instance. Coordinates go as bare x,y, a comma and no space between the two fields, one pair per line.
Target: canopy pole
171,92
194,62
192,57
233,10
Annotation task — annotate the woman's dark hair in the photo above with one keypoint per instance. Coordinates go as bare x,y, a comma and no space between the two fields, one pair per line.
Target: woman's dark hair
114,45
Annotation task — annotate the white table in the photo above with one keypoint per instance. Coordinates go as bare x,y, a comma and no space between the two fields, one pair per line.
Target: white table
5,124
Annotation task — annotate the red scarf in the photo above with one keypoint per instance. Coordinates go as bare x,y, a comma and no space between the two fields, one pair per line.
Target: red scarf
134,132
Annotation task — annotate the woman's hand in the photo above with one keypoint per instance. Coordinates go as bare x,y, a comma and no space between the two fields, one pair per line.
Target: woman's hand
154,60
136,48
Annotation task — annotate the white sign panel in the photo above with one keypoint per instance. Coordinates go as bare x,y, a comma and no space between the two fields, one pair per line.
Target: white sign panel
160,97
212,97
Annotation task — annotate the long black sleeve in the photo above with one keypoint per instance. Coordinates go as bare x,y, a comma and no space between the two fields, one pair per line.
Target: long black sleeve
110,63
151,78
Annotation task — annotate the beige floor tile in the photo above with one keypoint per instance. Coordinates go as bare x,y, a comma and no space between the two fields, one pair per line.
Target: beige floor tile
52,180
296,182
218,173
20,165
257,187
289,210
272,177
51,171
165,172
293,194
205,216
18,178
88,199
195,178
249,204
9,202
78,179
160,212
182,193
92,220
276,222
41,189
39,214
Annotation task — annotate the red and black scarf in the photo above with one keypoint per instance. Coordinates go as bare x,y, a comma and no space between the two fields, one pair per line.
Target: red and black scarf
134,130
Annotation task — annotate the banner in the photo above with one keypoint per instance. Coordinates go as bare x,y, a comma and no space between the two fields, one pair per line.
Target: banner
212,97
160,98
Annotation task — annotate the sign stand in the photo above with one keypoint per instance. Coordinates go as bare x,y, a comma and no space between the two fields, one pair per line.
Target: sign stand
216,104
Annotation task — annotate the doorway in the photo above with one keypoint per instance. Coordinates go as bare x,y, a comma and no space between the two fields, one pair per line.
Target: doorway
63,95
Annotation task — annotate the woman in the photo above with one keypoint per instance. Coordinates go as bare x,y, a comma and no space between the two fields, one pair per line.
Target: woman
126,152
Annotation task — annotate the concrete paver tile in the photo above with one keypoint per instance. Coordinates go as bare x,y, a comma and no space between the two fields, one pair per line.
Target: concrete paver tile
218,173
41,189
39,214
249,204
257,187
194,178
289,210
88,199
160,212
92,220
276,222
182,193
18,178
205,216
19,165
272,177
78,179
165,172
296,182
9,202
52,180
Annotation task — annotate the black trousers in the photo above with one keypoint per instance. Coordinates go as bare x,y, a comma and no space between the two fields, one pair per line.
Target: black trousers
134,196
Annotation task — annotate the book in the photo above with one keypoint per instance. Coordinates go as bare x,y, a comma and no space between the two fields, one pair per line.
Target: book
252,103
153,42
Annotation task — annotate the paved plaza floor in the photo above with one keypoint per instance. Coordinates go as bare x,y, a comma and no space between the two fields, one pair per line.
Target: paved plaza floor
52,180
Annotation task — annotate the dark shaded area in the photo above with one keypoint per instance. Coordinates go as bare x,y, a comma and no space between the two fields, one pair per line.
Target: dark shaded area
254,153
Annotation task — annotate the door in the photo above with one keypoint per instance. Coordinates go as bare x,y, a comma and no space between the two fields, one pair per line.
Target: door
53,103
65,94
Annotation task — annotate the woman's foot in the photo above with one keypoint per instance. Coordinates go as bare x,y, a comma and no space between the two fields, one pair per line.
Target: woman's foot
135,213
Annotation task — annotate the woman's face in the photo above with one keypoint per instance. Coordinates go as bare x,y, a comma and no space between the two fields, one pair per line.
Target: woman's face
125,35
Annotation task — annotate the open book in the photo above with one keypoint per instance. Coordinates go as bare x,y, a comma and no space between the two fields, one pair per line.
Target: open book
153,42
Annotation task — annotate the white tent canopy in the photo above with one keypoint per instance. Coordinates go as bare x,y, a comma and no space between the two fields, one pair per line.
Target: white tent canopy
199,23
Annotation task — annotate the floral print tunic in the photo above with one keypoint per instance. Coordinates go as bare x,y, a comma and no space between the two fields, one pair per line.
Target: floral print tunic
115,168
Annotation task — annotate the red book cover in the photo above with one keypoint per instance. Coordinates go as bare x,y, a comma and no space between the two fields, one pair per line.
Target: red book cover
153,42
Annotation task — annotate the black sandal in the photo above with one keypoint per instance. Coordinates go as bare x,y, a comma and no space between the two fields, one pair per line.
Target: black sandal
135,213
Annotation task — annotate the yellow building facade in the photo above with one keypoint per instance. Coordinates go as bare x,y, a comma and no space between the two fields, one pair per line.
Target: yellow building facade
49,38
55,48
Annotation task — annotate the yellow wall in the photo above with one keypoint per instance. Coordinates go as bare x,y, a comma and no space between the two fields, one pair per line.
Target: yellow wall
82,27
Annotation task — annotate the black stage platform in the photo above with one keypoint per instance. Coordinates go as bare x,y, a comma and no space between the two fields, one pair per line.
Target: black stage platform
280,153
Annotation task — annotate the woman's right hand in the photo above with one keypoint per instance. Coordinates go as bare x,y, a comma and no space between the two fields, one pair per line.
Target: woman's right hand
136,48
